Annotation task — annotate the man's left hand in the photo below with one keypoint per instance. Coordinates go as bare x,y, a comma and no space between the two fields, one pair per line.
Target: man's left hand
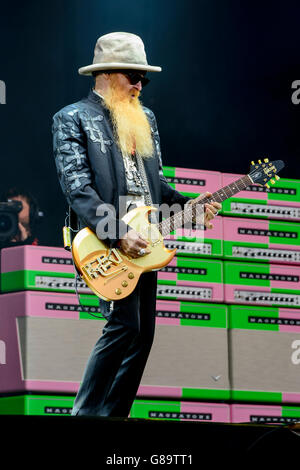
211,210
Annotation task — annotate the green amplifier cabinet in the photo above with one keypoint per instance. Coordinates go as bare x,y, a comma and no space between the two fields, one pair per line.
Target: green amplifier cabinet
262,284
281,201
191,279
198,242
43,405
264,354
261,240
42,268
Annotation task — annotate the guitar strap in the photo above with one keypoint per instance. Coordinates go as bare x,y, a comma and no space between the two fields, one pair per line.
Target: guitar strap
147,195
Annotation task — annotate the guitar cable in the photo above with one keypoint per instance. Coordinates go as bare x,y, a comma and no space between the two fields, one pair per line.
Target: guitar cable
77,278
67,231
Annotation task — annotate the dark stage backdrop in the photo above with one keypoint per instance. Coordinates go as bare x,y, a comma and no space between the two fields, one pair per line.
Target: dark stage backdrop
224,96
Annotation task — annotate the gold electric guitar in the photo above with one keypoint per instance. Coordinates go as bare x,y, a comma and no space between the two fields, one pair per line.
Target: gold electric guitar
112,275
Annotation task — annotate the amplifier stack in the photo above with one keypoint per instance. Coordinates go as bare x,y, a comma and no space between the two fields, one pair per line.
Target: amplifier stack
261,289
227,342
256,240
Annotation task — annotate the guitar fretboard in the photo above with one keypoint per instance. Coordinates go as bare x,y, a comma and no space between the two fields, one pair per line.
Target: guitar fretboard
194,209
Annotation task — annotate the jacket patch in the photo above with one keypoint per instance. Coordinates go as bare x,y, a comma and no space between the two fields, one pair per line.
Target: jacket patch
93,131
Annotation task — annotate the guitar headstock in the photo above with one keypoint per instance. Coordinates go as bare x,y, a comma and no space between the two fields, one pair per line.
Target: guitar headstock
264,172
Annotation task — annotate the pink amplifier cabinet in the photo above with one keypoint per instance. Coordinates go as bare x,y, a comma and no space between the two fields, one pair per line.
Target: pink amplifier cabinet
198,242
281,201
45,340
38,268
189,356
264,414
192,182
191,279
261,240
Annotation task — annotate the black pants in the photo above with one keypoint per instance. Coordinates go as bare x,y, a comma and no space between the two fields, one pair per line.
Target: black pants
116,364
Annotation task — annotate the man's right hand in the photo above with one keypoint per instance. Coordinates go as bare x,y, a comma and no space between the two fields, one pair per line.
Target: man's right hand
132,242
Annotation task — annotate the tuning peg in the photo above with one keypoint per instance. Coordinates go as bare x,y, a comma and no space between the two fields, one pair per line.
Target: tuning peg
259,161
277,177
252,163
267,186
266,160
272,181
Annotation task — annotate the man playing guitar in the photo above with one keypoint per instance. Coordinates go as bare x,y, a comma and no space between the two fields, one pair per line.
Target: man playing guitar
106,146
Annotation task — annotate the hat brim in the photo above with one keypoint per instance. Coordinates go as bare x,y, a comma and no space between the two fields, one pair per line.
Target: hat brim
89,69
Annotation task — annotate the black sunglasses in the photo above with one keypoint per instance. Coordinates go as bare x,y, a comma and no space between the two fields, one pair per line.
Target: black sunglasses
133,77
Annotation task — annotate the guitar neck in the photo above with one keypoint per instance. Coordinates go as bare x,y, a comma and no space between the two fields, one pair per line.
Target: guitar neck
195,208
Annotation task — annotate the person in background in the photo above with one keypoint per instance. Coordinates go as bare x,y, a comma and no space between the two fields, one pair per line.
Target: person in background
27,216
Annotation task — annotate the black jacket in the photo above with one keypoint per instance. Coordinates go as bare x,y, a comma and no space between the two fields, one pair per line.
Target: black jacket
90,165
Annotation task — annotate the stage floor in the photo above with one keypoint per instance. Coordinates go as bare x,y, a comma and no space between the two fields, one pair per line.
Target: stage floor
139,443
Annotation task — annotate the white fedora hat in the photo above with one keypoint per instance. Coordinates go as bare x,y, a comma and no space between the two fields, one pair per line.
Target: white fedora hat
119,51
